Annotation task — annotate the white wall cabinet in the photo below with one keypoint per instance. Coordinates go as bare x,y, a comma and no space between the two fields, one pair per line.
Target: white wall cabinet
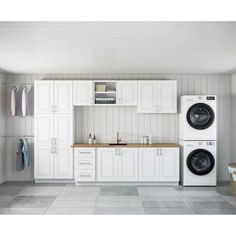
126,93
157,96
83,93
53,130
159,164
43,97
117,164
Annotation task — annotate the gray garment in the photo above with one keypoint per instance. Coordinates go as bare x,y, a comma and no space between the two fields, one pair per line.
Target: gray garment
20,156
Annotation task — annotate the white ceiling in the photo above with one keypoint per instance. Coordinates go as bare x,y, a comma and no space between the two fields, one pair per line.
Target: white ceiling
118,47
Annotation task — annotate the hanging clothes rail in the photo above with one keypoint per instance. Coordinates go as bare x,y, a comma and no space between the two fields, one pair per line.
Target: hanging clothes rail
17,136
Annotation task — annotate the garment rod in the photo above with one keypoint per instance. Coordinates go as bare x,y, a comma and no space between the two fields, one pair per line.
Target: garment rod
16,136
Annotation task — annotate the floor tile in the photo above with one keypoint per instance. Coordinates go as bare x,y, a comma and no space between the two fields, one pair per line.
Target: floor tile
231,199
223,190
119,191
22,211
158,191
31,202
77,196
196,193
70,211
41,191
12,190
161,198
80,190
5,199
119,201
164,204
216,211
203,198
119,211
168,211
72,204
214,205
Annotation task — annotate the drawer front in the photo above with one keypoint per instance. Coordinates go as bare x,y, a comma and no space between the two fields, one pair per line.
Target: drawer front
85,152
84,175
85,163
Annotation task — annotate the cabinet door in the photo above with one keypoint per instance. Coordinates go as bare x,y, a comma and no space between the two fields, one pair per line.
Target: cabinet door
63,162
148,164
43,129
63,97
166,96
63,129
146,96
128,164
107,161
127,93
169,164
43,162
43,96
83,93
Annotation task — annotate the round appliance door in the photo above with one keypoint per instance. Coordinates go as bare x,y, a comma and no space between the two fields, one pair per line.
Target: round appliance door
200,162
200,116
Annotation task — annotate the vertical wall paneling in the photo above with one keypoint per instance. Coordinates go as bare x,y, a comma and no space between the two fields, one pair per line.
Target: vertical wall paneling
106,121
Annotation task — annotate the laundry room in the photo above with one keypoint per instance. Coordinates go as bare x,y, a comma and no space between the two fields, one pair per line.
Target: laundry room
104,118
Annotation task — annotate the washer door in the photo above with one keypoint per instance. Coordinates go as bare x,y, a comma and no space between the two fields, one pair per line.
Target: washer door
200,116
200,162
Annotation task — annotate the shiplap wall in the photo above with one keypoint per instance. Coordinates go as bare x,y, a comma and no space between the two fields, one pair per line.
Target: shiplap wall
2,129
106,121
233,97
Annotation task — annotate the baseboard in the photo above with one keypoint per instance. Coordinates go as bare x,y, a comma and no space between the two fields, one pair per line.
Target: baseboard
54,181
2,179
140,184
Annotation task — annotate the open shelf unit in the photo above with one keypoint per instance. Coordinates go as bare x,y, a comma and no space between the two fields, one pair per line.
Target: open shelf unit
105,92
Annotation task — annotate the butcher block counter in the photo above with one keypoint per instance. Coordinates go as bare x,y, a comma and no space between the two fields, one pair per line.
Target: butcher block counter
129,145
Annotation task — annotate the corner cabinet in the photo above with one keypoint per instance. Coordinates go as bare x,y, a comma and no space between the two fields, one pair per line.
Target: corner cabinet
159,164
53,129
157,96
117,164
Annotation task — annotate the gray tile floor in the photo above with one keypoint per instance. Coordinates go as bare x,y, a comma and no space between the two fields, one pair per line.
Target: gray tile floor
30,198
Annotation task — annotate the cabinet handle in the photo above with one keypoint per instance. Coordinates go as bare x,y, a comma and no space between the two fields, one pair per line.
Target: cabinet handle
84,175
85,152
91,100
119,152
85,163
160,152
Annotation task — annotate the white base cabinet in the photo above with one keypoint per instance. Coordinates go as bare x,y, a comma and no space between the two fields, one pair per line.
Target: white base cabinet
159,164
117,164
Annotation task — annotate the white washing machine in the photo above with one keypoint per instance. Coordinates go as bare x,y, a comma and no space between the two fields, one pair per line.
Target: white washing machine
198,163
197,119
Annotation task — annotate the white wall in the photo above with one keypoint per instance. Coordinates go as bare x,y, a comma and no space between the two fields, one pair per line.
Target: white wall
2,129
125,120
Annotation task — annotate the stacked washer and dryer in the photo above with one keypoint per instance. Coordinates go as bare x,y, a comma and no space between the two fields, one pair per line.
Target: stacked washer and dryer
197,133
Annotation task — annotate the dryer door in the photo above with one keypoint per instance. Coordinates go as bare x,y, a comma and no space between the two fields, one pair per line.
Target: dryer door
200,116
200,162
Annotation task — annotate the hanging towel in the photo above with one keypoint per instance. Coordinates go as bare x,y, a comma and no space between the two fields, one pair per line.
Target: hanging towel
13,102
20,156
24,102
25,151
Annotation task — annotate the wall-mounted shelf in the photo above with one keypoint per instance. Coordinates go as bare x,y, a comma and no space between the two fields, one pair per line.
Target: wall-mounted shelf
105,92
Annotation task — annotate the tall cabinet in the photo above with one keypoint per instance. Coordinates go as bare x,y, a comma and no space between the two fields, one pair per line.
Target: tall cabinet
53,128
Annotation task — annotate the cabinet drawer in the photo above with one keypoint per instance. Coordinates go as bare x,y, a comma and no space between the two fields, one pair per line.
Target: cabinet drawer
84,163
85,175
85,152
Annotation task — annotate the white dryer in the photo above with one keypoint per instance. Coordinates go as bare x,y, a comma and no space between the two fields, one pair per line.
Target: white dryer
198,163
197,119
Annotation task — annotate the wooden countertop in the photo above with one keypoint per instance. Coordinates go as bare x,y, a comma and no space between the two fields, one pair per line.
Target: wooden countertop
129,145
